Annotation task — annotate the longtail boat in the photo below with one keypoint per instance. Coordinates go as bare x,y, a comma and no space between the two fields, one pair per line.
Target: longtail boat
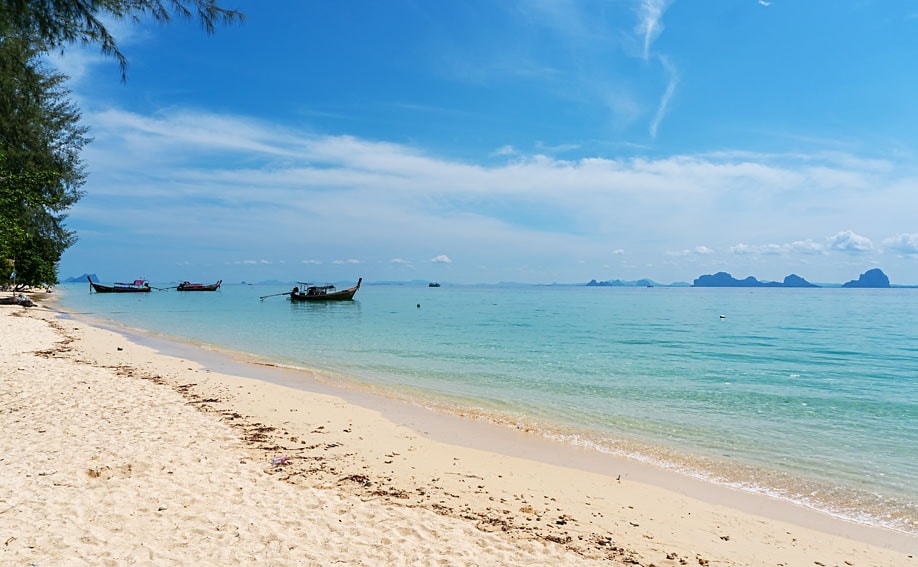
137,286
327,292
188,286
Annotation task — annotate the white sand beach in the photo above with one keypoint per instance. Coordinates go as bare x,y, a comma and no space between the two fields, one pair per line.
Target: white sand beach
113,453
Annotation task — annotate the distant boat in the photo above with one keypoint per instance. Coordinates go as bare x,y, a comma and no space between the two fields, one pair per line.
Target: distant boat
188,286
326,292
137,286
433,284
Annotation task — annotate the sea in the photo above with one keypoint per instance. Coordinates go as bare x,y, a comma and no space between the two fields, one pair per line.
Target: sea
807,395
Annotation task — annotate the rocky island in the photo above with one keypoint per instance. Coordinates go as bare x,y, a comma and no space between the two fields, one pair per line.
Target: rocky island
723,279
874,278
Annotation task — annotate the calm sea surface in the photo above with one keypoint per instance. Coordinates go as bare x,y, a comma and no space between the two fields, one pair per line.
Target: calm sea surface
809,395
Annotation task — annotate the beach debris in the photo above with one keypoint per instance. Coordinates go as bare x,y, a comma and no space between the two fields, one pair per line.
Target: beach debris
392,493
282,460
162,508
18,299
606,541
359,479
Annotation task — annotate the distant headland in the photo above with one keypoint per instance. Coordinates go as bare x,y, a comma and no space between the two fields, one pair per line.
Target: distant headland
873,278
723,279
81,278
637,283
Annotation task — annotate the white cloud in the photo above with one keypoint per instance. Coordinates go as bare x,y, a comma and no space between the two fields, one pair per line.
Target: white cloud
803,247
400,261
348,261
441,259
807,247
76,63
649,26
542,147
741,249
258,184
762,250
696,251
848,241
672,81
903,244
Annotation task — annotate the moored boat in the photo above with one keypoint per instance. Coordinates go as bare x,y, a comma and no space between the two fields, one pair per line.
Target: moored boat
137,286
328,292
188,286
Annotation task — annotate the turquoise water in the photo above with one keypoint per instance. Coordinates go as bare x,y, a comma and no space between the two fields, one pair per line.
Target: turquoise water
808,395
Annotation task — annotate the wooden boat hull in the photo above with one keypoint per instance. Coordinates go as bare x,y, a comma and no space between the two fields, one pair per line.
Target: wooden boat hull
99,288
199,287
341,295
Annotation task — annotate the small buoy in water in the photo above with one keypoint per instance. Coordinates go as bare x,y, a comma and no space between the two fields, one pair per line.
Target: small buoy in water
723,316
419,305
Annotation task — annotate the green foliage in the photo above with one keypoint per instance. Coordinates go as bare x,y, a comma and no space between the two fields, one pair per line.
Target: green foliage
40,168
56,23
40,133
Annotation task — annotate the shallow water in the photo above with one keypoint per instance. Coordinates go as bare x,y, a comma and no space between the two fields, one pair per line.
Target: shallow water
806,394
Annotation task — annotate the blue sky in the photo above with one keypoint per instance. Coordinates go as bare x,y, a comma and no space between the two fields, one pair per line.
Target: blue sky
479,141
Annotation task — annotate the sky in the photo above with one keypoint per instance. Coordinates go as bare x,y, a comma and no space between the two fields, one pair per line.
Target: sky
473,141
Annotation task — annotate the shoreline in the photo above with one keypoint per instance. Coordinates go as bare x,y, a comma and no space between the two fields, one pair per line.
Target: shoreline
441,422
491,477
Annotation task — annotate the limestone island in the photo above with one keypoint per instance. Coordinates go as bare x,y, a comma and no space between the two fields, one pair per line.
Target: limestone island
723,279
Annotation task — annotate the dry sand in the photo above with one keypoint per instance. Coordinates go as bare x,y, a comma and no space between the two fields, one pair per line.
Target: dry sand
113,453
